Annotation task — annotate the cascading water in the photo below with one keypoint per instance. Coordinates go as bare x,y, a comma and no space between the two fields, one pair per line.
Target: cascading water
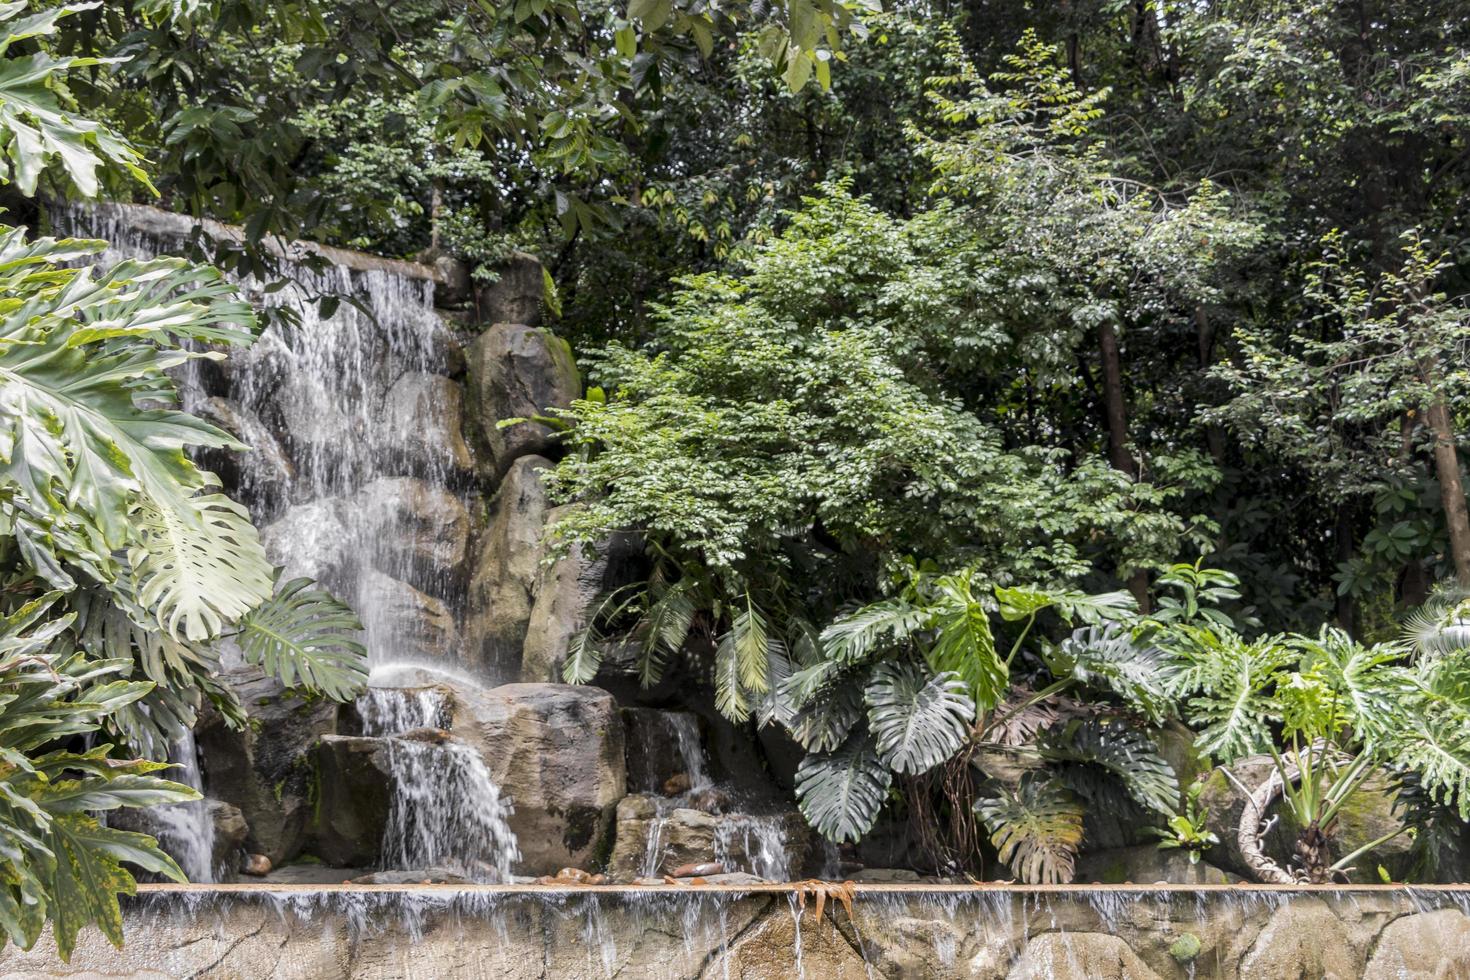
446,812
356,478
753,843
186,830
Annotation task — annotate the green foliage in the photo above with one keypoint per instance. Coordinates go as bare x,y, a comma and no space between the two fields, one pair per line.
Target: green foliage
841,791
918,721
123,567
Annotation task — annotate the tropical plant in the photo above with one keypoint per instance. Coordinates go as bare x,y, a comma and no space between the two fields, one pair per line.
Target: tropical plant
122,567
1331,714
917,681
1189,829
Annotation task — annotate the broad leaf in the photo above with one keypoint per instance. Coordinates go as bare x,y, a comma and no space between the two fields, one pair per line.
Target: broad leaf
304,636
841,792
1037,830
1128,754
918,720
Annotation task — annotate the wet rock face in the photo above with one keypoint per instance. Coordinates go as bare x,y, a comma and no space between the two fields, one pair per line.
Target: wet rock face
354,787
404,623
265,769
557,751
566,593
1146,864
414,529
429,412
504,573
516,371
654,838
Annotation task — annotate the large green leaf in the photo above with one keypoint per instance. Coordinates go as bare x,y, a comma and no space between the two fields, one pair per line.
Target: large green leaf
964,644
1228,684
1128,754
36,121
304,636
919,720
88,877
841,792
1109,657
829,718
1037,830
855,635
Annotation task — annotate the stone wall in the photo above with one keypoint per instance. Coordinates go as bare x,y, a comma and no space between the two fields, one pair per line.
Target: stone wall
1099,934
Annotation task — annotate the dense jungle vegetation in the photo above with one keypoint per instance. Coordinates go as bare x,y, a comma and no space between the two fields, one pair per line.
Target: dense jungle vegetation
993,384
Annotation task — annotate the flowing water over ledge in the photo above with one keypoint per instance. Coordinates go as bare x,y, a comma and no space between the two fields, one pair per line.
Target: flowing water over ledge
515,932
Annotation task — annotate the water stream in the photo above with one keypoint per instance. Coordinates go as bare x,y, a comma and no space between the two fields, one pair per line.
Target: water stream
358,478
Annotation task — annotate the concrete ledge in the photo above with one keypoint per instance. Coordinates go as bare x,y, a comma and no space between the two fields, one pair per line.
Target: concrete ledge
991,932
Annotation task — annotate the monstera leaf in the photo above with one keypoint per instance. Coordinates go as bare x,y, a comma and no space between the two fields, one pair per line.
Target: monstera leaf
1128,755
1109,657
964,644
1036,830
825,723
918,720
840,793
304,636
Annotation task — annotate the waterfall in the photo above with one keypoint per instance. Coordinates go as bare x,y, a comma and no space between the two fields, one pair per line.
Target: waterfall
446,810
359,478
186,830
359,491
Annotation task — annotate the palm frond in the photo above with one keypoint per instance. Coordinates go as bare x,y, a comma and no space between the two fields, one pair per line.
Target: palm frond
918,720
852,637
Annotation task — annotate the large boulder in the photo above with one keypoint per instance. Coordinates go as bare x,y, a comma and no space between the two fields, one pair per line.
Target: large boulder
516,371
404,624
418,532
516,296
264,471
1083,956
567,591
1304,938
265,768
422,426
557,751
1365,817
504,574
1425,944
355,794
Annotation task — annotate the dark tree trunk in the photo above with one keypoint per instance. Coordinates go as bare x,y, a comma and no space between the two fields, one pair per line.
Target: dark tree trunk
1447,467
1347,545
1117,418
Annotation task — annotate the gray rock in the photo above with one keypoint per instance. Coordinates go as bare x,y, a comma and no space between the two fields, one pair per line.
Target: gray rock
516,372
685,836
1426,944
516,296
567,591
504,574
1082,956
422,426
1303,939
403,623
420,876
262,470
312,540
265,769
557,751
1146,864
230,833
355,793
417,532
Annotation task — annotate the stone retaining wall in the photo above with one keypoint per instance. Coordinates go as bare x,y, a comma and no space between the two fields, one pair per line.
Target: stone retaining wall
524,933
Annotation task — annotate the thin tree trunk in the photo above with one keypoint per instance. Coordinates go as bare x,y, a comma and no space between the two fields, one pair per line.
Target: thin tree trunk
1347,608
1447,467
1117,418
